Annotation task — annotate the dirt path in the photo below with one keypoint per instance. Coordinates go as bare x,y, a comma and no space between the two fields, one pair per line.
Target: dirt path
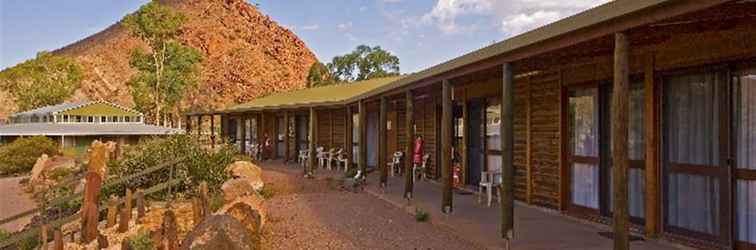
315,214
13,201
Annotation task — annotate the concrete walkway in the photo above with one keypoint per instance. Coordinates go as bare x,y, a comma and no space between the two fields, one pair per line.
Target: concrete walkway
535,228
13,201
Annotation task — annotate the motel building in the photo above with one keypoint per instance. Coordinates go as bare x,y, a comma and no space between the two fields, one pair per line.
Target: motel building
536,111
75,125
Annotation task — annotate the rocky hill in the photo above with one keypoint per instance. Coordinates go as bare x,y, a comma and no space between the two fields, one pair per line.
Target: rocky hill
246,55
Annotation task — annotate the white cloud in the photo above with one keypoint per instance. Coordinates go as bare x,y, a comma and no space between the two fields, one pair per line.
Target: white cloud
350,37
363,8
511,16
344,26
311,27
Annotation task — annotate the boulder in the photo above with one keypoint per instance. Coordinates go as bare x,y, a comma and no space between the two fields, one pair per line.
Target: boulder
235,188
219,232
247,171
249,210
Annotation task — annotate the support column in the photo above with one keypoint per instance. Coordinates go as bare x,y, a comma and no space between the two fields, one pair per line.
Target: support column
313,137
188,124
382,134
348,141
199,127
446,149
363,136
212,130
409,127
243,139
652,153
224,128
507,153
286,137
619,141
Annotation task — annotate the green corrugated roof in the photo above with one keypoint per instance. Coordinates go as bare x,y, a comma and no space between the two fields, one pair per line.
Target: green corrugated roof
326,95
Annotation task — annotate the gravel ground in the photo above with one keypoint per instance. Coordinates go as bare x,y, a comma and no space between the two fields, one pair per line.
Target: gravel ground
316,214
13,201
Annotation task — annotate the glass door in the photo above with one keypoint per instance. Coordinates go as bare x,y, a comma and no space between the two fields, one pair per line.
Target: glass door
636,153
584,148
744,94
694,135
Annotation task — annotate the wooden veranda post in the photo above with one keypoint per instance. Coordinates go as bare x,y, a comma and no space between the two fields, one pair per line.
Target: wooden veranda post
619,142
243,139
446,149
199,127
348,149
286,137
312,161
507,153
212,130
363,136
188,124
652,155
409,127
382,141
223,128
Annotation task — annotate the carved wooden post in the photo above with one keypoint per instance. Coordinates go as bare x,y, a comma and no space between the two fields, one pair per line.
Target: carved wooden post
196,211
409,127
128,202
507,153
141,210
362,161
619,142
382,134
446,150
43,236
123,222
170,230
95,174
204,199
112,212
58,243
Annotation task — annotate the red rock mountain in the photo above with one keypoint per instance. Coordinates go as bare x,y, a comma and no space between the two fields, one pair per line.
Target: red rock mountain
246,55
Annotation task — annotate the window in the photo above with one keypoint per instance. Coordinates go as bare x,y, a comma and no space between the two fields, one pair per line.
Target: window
493,134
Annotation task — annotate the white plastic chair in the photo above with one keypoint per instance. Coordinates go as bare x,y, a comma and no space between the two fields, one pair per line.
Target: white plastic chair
395,162
342,159
304,154
321,155
332,155
488,181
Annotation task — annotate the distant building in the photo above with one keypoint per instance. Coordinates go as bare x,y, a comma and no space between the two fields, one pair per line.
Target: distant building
76,125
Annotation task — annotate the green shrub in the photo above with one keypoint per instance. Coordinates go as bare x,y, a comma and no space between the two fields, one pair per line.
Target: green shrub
267,192
57,174
141,241
20,155
216,202
420,215
198,164
29,243
4,235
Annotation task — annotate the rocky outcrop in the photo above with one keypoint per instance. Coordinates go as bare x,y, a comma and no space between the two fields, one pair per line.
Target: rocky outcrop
219,232
247,55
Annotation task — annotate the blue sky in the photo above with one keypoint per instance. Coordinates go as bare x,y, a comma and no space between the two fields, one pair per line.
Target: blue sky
421,33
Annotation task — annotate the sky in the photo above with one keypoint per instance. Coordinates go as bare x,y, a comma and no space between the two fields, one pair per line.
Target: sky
422,33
